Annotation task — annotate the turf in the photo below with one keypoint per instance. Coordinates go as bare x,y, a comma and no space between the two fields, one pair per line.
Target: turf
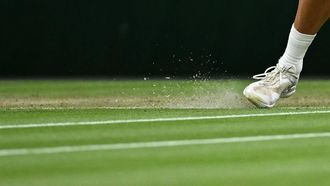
282,162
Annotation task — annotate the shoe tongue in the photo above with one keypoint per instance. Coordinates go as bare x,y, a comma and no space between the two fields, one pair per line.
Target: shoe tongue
295,69
289,68
290,71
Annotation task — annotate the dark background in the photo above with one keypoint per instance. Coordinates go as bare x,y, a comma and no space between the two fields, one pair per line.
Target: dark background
146,38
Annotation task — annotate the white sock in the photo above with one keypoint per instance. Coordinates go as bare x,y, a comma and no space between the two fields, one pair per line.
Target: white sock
296,49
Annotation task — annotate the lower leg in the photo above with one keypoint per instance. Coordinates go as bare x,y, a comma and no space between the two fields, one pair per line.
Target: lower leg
311,16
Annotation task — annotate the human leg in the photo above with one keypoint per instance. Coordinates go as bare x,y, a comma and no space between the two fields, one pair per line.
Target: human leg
282,81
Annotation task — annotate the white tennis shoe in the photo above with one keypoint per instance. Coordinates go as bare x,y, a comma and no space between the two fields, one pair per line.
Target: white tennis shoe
275,83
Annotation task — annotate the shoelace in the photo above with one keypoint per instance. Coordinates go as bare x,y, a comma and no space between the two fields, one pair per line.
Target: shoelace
265,74
269,75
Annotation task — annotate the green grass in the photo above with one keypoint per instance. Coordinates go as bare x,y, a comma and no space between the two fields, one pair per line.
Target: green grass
282,162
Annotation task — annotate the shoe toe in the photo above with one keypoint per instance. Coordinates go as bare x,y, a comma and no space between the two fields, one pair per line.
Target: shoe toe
260,96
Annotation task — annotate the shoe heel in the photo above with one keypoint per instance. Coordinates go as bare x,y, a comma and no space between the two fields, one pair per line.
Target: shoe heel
289,92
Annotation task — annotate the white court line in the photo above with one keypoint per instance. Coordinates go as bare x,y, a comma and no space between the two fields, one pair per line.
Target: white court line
134,108
155,144
109,122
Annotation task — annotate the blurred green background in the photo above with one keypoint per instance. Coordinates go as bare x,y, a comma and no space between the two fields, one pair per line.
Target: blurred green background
149,38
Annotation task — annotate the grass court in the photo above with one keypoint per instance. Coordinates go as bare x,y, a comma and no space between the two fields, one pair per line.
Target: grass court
160,132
